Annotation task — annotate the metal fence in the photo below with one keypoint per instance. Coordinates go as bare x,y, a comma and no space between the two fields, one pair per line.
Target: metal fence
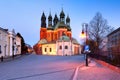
111,58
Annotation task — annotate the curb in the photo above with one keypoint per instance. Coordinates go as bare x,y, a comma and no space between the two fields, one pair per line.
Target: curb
108,65
76,72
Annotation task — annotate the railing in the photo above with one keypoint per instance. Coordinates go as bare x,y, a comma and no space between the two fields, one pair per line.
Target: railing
111,58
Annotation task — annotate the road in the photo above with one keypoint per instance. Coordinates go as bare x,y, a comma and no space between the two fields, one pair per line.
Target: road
38,67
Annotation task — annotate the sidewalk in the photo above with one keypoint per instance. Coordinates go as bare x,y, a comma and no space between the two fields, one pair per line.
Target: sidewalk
10,58
96,71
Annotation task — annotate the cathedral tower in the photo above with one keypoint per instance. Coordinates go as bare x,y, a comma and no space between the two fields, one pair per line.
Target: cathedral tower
62,16
50,29
43,27
69,34
55,21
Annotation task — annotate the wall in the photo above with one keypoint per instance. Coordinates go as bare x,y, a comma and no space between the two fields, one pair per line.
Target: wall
64,51
3,43
47,47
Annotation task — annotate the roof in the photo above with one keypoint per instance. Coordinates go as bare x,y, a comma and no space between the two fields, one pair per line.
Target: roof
74,41
42,41
4,30
64,38
62,25
118,29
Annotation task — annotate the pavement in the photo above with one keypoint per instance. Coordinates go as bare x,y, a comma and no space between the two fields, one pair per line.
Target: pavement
96,71
38,67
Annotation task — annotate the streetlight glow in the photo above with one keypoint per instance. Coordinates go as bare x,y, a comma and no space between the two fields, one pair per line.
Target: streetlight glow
83,35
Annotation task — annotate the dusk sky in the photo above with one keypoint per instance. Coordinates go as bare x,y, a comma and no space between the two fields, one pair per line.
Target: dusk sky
25,15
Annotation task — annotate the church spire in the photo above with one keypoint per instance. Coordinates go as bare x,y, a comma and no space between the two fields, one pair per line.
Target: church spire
43,20
49,20
62,16
68,20
55,19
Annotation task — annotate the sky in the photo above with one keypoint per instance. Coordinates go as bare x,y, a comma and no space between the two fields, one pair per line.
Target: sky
24,16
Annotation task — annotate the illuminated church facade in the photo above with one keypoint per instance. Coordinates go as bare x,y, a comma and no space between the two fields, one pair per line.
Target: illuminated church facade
56,37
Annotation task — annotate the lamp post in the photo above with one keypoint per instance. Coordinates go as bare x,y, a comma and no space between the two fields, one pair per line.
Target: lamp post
85,34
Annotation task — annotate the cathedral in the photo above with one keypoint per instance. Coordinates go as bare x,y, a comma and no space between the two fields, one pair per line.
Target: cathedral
56,37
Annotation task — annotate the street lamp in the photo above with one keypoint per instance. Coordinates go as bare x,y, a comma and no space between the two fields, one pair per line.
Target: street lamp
85,35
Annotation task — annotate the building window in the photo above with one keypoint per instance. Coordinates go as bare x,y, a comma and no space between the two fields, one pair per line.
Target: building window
66,47
45,49
0,36
50,49
60,47
0,49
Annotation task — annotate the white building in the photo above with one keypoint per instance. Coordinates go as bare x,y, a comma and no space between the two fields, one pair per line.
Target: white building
10,43
3,42
14,44
65,46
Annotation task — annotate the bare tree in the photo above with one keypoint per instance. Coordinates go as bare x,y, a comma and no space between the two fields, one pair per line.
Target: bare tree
98,28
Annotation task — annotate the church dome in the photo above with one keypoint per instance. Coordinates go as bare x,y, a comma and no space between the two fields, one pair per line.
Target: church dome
64,38
50,17
61,25
62,15
42,41
74,41
68,19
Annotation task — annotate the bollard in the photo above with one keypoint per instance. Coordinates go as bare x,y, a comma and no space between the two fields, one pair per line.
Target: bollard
13,56
1,58
86,59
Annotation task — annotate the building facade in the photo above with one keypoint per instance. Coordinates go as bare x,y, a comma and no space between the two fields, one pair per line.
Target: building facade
3,42
18,45
10,43
56,37
114,42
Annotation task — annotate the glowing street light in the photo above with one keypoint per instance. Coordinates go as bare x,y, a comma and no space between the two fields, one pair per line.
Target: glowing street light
84,35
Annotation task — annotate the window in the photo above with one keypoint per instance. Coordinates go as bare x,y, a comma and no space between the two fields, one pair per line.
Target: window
66,47
60,47
0,49
0,36
45,49
50,49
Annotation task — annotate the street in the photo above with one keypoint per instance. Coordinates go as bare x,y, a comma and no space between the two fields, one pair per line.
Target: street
39,67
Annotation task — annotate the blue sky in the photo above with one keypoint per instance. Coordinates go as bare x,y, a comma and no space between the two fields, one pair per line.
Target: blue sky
24,15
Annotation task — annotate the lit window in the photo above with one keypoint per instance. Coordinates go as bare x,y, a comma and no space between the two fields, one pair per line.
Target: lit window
66,47
45,49
60,47
50,49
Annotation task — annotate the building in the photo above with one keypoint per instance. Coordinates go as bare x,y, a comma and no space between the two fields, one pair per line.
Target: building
14,43
114,42
3,42
56,39
29,48
10,43
103,47
18,45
